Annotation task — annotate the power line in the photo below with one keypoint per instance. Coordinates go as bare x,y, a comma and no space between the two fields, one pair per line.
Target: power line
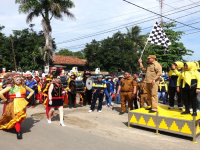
159,14
173,7
80,45
113,29
113,17
194,2
124,20
108,23
191,33
182,36
144,29
134,22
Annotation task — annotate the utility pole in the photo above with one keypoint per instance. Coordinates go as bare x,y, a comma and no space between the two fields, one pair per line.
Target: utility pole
13,52
161,11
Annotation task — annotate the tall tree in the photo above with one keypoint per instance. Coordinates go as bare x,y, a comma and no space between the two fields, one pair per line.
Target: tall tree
6,58
176,50
117,53
48,9
27,54
134,34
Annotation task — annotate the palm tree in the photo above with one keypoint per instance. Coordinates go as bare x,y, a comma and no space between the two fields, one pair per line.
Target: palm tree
135,36
48,9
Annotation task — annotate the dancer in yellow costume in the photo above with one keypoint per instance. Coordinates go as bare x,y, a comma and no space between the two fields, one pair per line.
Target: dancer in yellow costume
15,111
45,89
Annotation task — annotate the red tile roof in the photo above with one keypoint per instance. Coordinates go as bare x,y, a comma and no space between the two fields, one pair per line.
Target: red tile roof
68,60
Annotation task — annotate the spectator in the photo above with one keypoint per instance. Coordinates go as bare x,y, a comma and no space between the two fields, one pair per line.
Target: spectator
162,89
117,97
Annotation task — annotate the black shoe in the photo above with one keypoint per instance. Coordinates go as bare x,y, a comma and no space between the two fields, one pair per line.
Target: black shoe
152,111
74,106
148,108
84,104
70,107
194,114
185,113
121,113
89,103
19,135
180,108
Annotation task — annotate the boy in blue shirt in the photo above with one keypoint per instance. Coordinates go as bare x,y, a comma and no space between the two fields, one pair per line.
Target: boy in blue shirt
109,91
31,83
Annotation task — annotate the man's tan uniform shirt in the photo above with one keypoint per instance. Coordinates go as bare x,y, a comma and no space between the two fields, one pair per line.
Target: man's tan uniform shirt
127,84
153,70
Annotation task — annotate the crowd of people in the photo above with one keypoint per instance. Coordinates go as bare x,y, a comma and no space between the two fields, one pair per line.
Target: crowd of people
20,92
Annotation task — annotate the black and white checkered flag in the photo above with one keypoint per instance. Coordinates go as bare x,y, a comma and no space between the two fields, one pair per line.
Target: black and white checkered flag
158,37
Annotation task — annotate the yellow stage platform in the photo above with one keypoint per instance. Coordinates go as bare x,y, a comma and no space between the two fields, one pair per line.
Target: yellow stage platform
166,120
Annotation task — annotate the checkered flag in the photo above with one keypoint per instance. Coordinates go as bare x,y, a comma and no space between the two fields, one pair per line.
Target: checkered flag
158,37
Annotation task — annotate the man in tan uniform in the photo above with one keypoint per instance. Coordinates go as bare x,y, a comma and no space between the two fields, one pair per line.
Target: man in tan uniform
127,86
153,73
142,93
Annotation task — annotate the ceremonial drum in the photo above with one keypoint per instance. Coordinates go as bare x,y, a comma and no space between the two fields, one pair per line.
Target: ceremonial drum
89,83
76,86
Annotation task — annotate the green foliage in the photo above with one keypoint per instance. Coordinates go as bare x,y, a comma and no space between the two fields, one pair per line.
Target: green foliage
117,53
176,51
66,52
26,46
46,8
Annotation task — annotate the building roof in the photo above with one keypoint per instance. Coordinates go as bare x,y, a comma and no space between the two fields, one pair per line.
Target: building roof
68,60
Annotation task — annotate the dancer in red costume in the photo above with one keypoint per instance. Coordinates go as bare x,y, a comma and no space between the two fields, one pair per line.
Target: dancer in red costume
15,111
55,100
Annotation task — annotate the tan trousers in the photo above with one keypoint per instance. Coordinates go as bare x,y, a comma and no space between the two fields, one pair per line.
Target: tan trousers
153,95
126,96
143,98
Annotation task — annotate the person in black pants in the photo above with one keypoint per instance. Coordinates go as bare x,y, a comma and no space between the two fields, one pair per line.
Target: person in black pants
72,98
88,93
98,88
71,92
175,71
87,97
189,81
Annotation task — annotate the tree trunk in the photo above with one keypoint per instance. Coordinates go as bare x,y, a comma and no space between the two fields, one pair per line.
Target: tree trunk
48,44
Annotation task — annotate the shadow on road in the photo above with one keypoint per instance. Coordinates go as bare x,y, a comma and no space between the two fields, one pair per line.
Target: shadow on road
25,126
28,124
118,109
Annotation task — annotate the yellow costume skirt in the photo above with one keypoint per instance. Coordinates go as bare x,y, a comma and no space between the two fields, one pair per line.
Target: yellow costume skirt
15,112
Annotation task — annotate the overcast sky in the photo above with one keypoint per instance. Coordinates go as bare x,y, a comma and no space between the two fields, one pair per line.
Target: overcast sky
93,16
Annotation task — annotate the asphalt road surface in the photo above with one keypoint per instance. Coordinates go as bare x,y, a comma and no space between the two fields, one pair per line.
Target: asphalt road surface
88,131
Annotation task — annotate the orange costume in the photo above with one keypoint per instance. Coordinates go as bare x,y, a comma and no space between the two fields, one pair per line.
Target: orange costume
15,111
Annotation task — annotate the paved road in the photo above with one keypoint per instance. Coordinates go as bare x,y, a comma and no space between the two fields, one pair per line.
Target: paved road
96,131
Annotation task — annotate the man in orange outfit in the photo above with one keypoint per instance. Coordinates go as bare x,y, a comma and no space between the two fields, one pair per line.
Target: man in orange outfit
127,86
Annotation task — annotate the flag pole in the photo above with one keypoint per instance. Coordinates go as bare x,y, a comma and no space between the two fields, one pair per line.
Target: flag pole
143,49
